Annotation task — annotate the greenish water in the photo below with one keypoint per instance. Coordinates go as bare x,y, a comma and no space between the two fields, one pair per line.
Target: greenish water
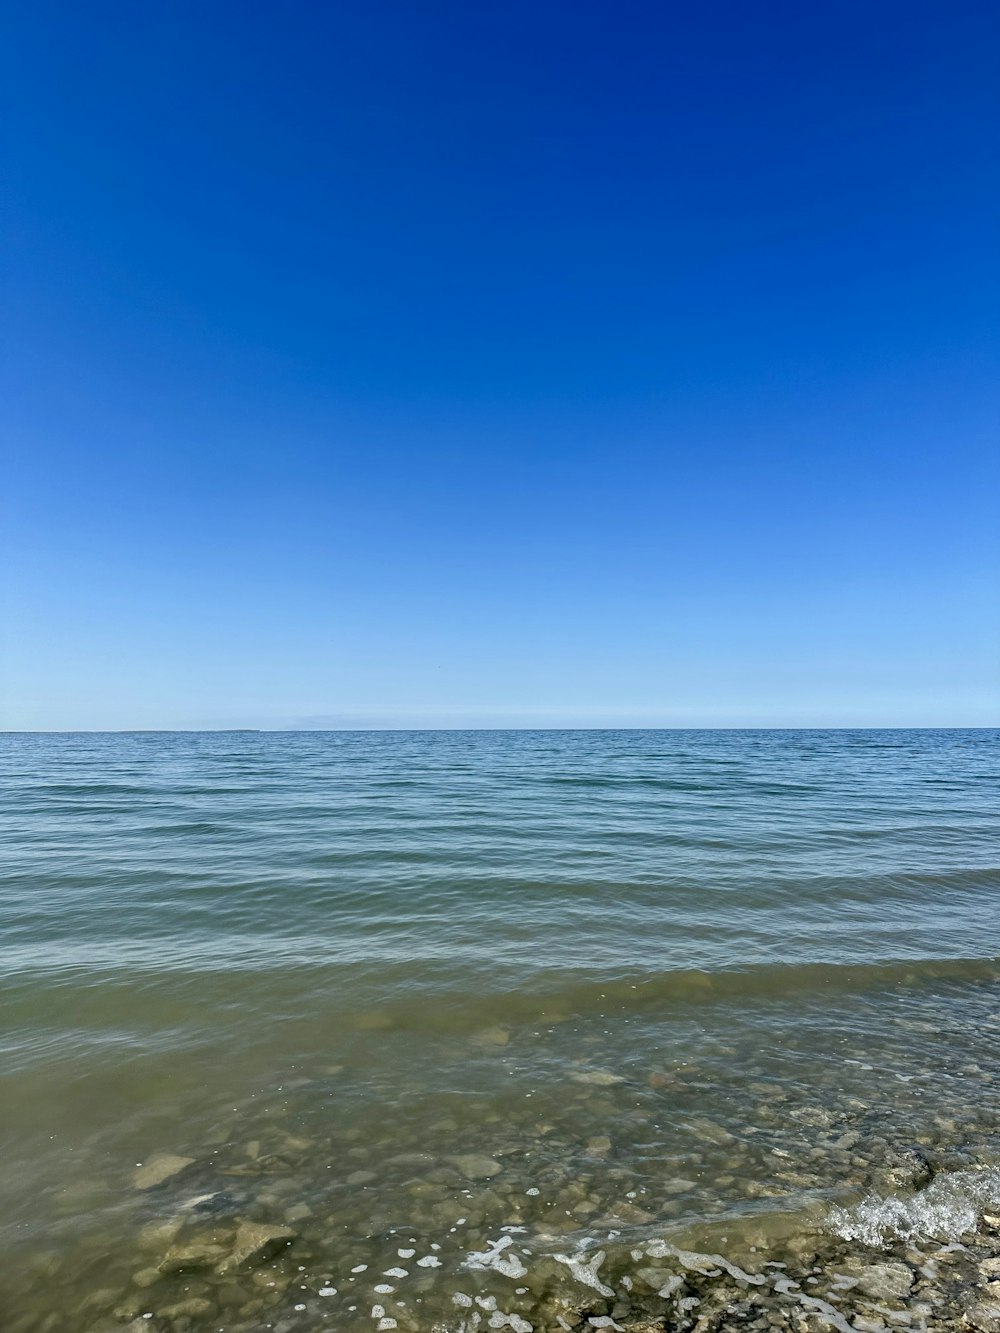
399,991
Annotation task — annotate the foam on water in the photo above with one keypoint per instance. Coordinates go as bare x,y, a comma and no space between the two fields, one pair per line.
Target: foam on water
949,1208
586,1273
493,1257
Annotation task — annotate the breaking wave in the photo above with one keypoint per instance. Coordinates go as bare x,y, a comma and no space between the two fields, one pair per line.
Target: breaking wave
949,1208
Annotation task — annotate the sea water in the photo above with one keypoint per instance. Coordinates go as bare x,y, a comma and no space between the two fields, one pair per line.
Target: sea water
468,1024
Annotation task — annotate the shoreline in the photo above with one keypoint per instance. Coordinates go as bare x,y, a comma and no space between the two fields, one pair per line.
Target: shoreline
924,1257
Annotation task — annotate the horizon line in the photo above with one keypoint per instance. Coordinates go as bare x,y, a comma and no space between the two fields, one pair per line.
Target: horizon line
316,731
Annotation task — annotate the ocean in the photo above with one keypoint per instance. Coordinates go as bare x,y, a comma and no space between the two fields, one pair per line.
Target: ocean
450,1030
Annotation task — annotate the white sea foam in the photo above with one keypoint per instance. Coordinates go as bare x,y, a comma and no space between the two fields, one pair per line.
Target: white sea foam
493,1257
831,1315
702,1263
946,1210
500,1319
586,1272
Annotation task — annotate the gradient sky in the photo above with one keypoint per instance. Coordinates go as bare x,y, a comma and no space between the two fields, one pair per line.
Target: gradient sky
501,364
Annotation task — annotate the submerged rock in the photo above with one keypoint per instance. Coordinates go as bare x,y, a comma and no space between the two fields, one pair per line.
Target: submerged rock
496,1036
195,1307
883,1282
907,1169
156,1236
255,1243
679,1186
710,1131
191,1258
985,1316
477,1167
146,1277
159,1169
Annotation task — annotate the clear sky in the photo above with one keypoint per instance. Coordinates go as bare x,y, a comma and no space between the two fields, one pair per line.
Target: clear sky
501,363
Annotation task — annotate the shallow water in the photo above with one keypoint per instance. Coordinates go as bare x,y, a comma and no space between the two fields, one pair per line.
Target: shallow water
398,991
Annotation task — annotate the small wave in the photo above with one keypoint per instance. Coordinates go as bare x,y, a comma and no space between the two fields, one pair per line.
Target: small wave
489,990
949,1208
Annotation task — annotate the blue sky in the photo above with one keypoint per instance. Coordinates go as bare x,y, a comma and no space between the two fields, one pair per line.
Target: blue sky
501,364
